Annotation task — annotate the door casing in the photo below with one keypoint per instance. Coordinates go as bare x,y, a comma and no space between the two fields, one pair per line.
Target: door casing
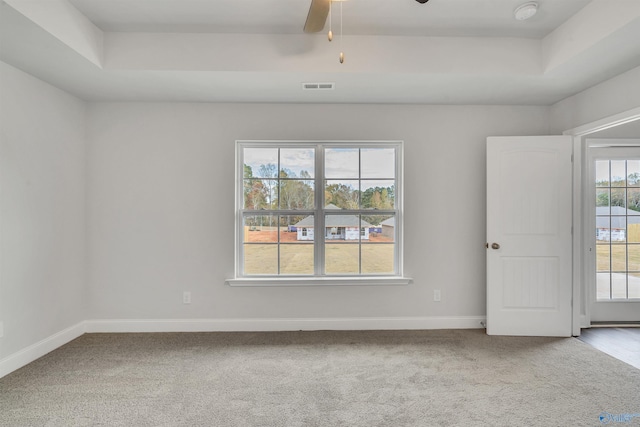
581,307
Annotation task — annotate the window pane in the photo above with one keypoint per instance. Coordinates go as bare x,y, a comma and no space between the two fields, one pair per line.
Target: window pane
296,228
602,173
296,194
381,227
378,194
260,162
603,228
378,162
618,257
378,258
342,258
342,163
256,194
603,260
633,173
618,173
618,199
344,228
260,193
260,259
296,259
618,285
341,194
260,228
297,162
633,252
633,230
633,201
603,286
602,201
618,231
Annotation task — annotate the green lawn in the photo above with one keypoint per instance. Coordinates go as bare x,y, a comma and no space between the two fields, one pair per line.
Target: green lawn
616,258
340,258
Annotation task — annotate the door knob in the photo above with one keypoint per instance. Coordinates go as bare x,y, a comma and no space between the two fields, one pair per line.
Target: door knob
495,246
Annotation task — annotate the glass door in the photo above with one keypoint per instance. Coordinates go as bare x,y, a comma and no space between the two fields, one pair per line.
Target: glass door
615,239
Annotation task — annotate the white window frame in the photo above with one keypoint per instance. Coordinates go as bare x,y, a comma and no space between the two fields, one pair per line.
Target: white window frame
319,279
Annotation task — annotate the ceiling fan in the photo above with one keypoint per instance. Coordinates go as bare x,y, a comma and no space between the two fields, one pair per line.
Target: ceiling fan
318,12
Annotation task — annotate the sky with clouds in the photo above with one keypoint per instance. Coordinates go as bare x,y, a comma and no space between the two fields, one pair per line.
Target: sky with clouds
341,164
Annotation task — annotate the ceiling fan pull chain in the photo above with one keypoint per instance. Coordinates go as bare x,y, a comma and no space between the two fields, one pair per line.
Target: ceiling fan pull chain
341,52
330,35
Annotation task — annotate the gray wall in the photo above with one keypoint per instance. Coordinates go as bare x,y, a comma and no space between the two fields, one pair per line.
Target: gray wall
42,210
161,206
614,96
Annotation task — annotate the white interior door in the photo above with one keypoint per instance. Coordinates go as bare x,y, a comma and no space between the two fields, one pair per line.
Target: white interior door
529,219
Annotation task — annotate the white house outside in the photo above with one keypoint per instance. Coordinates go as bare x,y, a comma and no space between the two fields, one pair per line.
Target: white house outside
337,227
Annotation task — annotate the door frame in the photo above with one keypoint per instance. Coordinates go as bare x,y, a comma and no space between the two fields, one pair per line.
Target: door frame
581,302
599,148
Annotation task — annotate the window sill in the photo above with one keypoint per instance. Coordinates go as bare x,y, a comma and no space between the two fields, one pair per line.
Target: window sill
320,281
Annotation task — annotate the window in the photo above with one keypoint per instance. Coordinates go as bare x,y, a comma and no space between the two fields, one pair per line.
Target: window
617,191
306,209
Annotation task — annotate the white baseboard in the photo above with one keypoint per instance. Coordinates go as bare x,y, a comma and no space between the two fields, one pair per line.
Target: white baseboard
302,324
29,354
584,323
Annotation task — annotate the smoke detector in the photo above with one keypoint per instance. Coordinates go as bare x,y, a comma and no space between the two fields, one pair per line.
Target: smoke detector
526,11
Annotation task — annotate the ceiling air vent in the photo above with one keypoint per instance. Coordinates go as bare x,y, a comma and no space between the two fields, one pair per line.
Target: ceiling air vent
318,86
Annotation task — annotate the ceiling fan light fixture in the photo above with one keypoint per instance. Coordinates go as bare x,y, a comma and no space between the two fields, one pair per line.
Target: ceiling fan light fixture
526,11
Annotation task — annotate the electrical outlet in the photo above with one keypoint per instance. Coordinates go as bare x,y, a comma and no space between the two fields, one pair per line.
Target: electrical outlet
436,295
1,329
186,297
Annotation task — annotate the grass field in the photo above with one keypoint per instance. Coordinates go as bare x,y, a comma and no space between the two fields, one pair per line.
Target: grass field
616,258
296,257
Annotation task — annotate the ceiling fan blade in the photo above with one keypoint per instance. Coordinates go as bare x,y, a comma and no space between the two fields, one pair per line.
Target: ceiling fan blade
317,17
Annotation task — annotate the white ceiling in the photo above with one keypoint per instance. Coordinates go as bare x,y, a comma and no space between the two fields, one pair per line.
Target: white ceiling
397,51
492,18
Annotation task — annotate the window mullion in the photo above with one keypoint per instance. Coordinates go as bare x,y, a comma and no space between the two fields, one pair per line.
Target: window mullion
398,208
278,210
318,239
360,208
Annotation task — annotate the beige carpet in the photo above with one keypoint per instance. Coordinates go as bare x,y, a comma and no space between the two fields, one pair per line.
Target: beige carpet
372,378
